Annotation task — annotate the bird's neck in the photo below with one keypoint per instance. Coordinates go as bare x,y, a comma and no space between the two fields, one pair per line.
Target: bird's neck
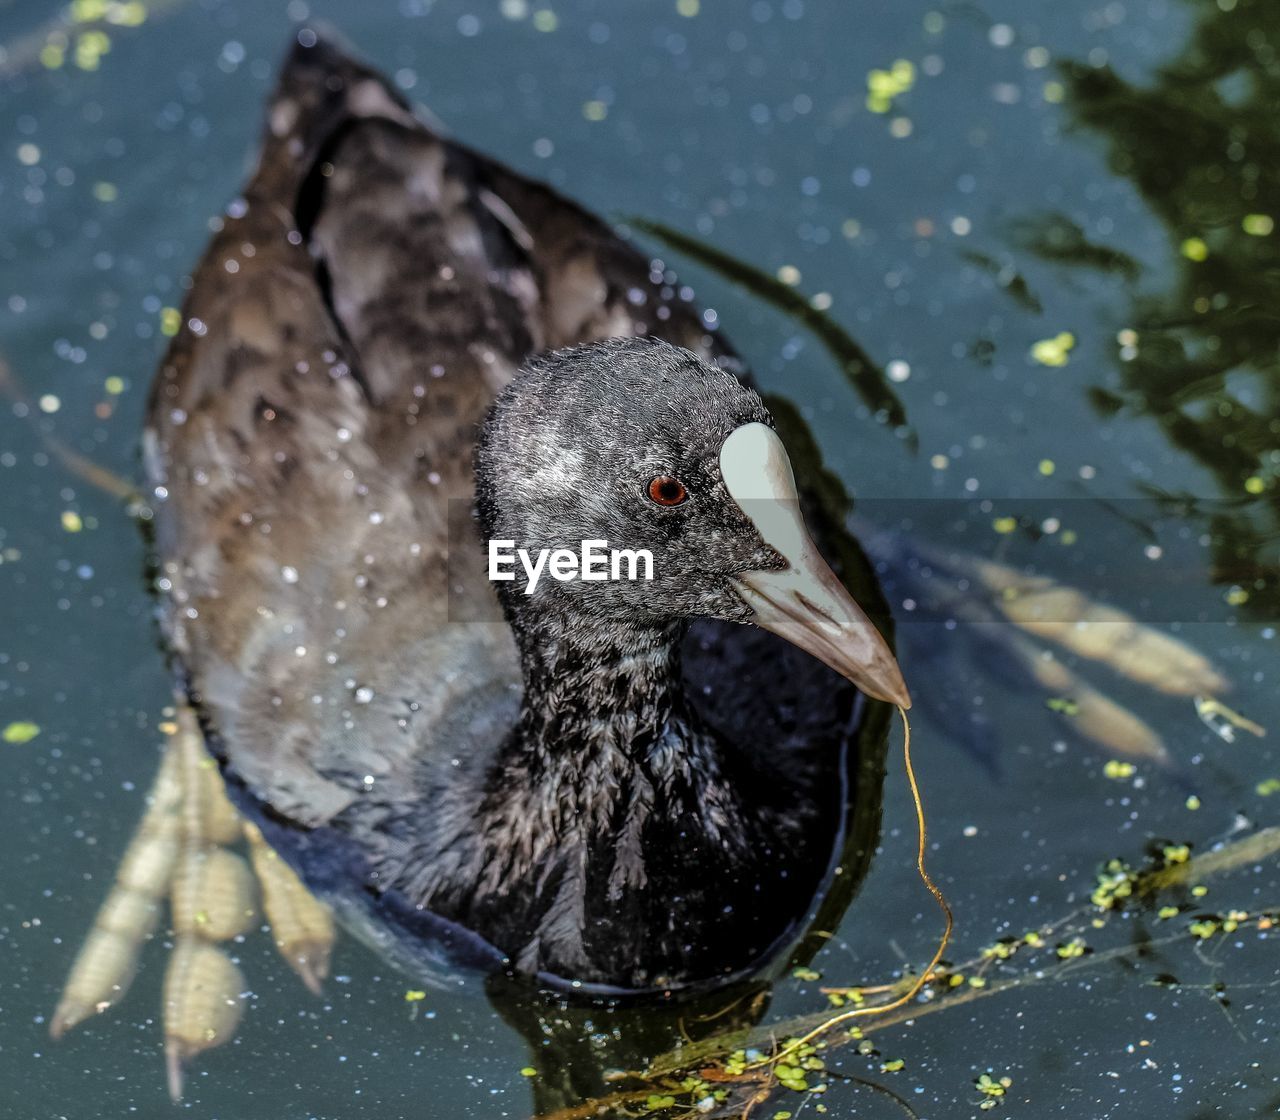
608,785
592,687
607,749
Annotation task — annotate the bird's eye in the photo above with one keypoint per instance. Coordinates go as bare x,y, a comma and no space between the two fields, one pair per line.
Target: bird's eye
667,491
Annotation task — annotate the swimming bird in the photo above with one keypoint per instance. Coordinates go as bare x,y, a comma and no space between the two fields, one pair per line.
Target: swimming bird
394,352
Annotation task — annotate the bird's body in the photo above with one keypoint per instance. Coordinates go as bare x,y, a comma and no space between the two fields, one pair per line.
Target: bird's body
653,806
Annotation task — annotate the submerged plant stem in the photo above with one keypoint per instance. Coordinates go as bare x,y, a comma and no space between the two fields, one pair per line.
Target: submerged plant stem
75,463
913,989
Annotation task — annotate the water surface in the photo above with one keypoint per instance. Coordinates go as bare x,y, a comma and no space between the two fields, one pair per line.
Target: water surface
1105,171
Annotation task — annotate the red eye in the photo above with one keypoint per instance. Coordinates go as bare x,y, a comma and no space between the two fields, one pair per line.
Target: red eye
667,491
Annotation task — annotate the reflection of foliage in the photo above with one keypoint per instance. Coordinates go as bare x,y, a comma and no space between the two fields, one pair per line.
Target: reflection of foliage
867,378
1202,144
1007,276
1055,237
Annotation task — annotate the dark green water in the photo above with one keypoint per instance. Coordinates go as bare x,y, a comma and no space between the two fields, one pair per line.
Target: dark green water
1111,170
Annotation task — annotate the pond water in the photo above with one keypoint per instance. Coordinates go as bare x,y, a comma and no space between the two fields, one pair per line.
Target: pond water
1055,233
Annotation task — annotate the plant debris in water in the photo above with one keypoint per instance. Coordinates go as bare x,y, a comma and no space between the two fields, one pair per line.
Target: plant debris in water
747,1071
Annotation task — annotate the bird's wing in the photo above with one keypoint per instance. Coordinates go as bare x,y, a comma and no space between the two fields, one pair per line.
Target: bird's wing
311,428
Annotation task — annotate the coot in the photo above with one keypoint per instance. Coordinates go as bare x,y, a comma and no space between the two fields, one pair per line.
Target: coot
395,352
